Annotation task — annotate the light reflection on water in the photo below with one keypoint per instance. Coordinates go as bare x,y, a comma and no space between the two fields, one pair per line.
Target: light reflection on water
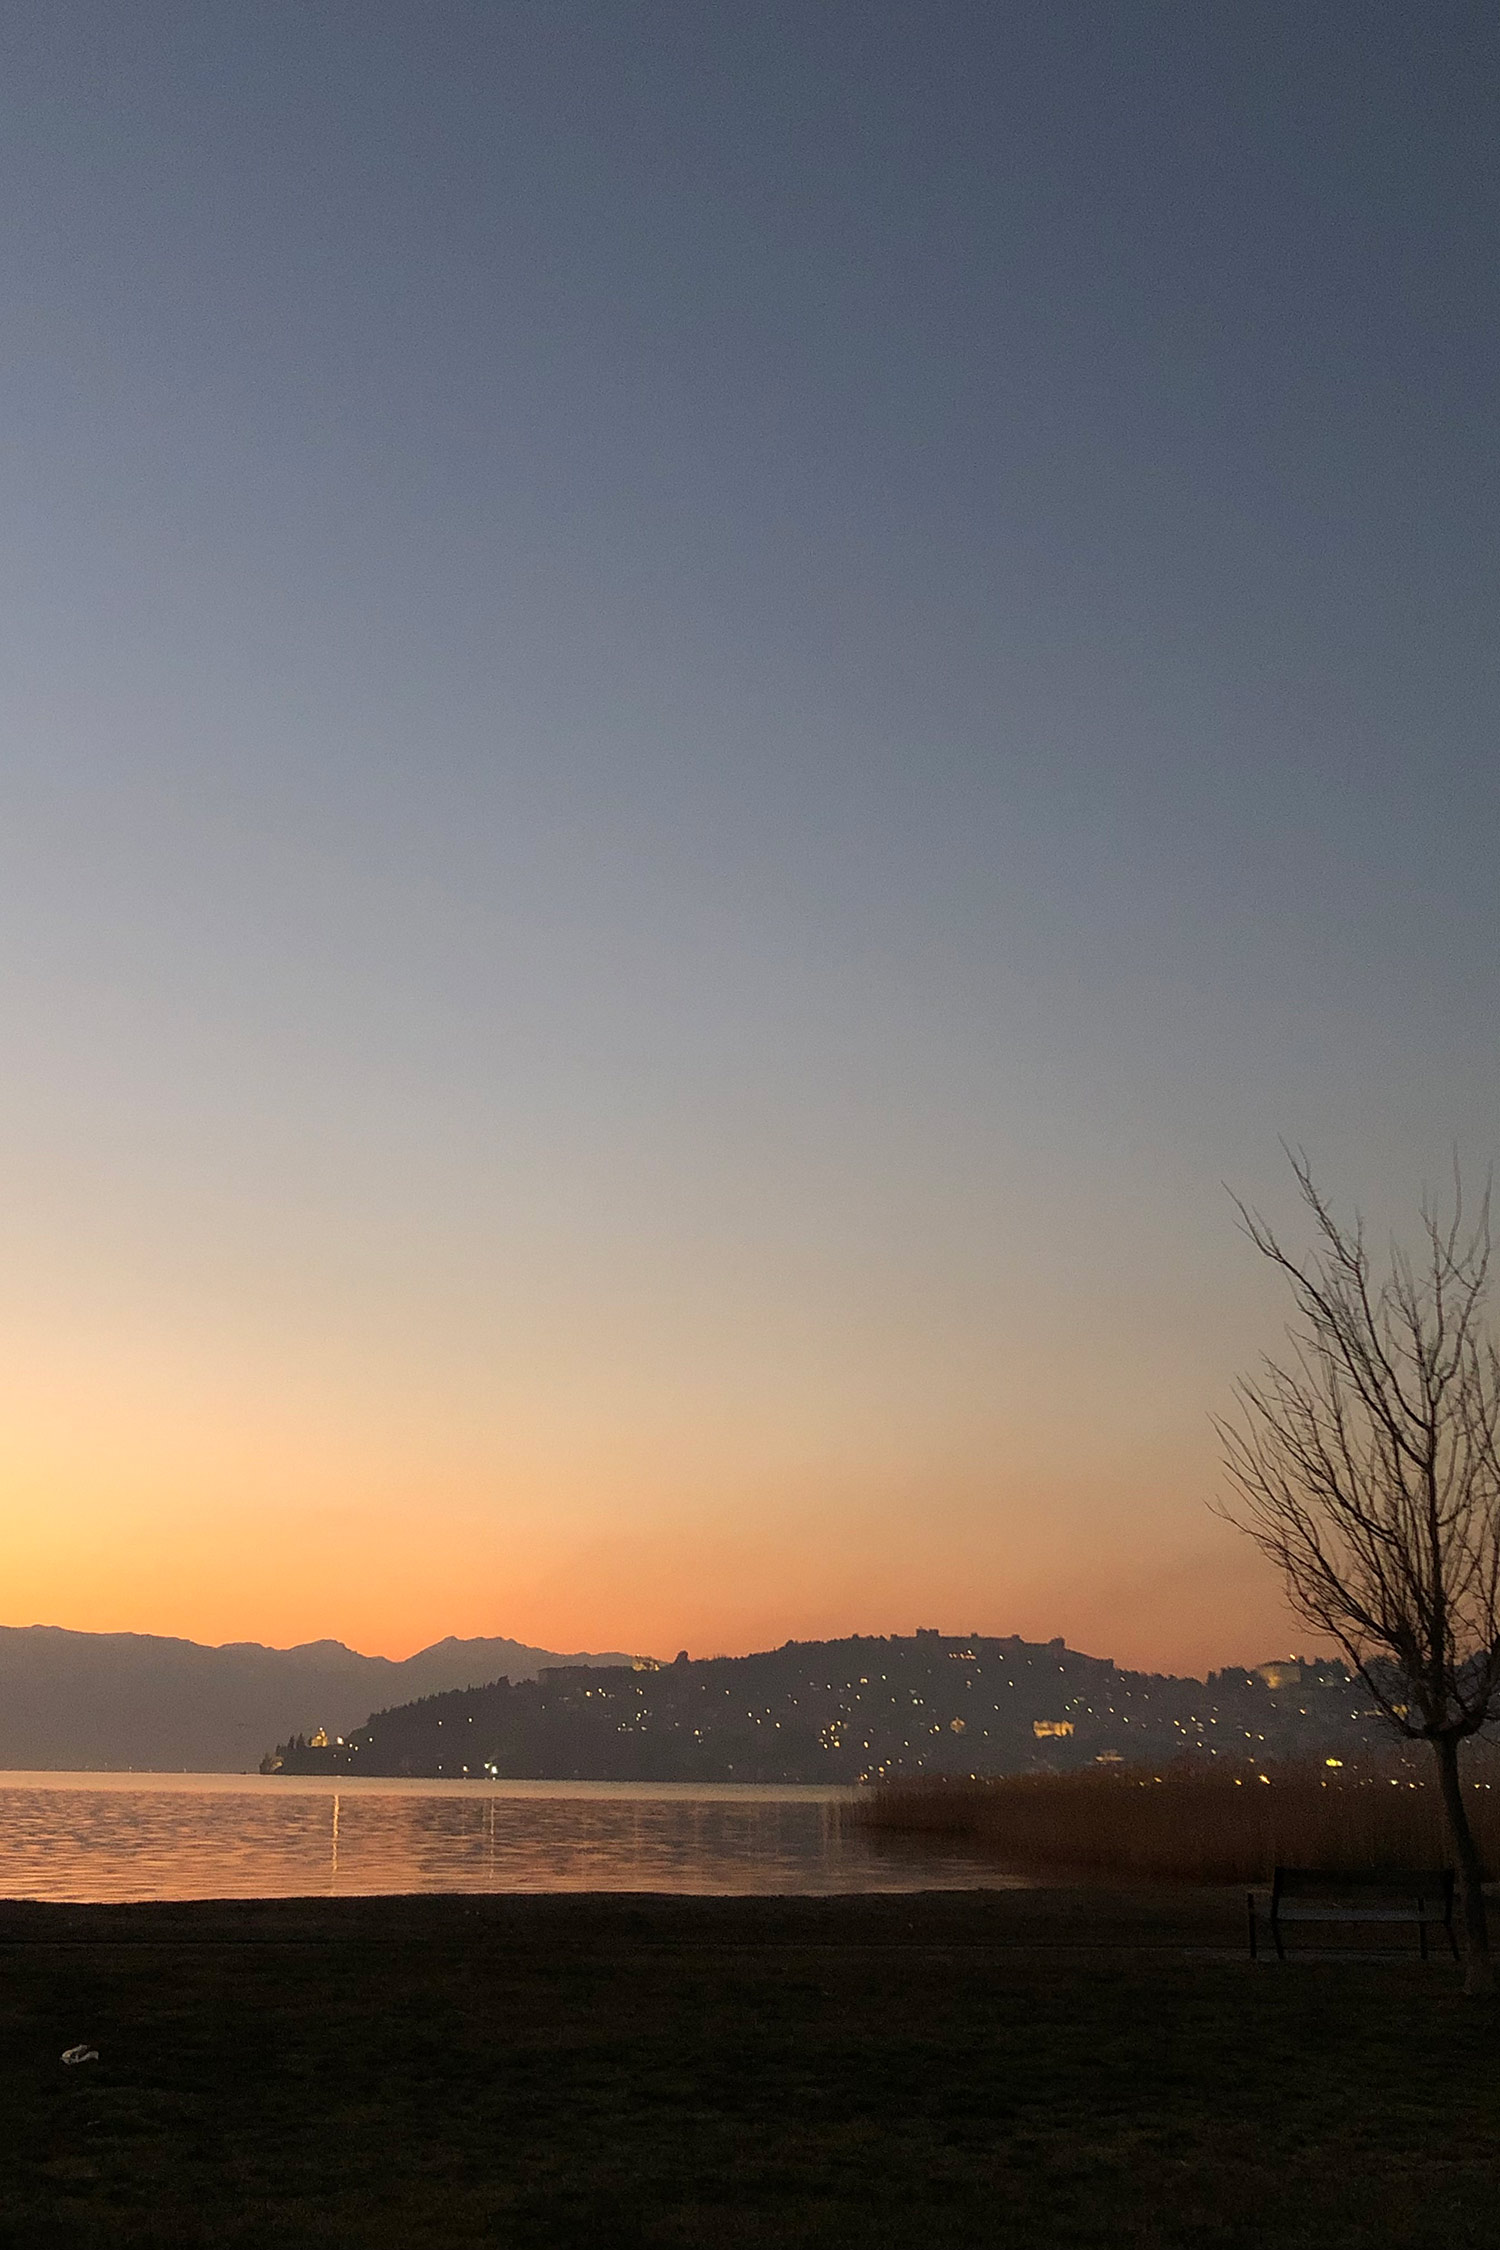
178,1836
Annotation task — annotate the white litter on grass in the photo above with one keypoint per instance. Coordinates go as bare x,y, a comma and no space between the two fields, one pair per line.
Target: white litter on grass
81,2054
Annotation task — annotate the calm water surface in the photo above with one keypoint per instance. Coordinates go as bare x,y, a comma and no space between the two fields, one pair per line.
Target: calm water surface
173,1836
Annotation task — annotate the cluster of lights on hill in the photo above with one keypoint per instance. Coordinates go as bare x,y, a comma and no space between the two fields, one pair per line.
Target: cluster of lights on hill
858,1709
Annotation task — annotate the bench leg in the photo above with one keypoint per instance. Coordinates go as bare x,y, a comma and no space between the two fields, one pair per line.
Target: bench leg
1250,1909
1422,1937
1276,1933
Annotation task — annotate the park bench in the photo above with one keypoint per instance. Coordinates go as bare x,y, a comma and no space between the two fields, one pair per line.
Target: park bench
1309,1894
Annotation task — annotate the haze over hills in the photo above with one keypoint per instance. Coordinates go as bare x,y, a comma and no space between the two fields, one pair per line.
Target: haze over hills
90,1702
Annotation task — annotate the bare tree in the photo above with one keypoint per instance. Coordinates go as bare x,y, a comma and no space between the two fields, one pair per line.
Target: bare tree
1367,1467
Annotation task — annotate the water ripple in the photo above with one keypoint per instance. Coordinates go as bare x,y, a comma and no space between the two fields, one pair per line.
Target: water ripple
83,1837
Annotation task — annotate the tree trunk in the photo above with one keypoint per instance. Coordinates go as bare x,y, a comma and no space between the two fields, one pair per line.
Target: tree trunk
1479,1973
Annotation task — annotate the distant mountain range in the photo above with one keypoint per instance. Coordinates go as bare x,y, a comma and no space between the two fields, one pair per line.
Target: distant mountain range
88,1702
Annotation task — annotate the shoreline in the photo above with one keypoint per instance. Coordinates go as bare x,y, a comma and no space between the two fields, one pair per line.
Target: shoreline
1038,1919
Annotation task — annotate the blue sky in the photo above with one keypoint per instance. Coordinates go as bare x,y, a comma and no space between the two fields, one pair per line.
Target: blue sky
705,710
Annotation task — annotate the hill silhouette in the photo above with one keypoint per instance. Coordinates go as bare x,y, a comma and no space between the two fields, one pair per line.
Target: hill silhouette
864,1708
89,1702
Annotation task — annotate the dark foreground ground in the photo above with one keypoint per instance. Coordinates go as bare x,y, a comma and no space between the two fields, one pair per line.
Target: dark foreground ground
1057,2068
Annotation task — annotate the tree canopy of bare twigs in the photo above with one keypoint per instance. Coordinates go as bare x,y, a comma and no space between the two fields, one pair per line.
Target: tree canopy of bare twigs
1366,1466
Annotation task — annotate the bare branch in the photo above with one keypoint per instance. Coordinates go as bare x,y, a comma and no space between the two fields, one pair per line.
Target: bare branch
1366,1467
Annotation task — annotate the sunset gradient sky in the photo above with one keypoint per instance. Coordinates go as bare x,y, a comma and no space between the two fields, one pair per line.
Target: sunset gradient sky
703,710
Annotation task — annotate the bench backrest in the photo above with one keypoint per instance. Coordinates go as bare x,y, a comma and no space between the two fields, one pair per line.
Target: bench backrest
1364,1883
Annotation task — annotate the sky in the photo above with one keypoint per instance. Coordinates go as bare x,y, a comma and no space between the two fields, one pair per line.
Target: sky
703,712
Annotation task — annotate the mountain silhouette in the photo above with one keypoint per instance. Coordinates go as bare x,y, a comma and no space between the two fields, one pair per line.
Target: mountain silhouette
88,1702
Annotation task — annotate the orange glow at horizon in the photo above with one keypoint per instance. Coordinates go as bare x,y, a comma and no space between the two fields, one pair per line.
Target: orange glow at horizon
283,1425
175,1501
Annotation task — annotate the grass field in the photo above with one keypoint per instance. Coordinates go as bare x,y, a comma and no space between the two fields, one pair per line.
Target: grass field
1144,1824
1012,2069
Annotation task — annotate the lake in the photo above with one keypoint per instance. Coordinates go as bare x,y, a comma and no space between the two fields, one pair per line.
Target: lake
117,1836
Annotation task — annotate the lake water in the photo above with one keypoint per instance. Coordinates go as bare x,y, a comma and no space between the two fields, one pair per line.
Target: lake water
69,1836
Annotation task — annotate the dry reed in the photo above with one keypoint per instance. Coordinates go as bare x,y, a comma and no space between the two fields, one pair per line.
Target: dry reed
1188,1827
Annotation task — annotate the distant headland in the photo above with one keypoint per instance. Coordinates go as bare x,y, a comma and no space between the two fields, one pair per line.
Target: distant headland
860,1709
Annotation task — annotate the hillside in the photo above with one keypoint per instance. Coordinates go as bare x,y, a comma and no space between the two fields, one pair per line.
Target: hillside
849,1710
103,1701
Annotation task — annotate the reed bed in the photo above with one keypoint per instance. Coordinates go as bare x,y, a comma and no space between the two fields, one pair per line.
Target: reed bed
1187,1827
